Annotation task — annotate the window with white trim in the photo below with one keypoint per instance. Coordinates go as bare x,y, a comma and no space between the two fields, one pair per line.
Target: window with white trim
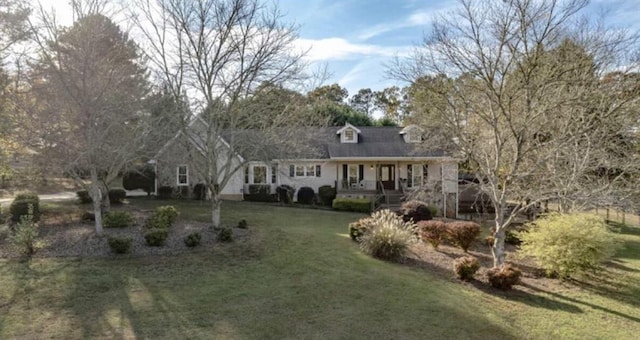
182,175
348,135
259,174
305,170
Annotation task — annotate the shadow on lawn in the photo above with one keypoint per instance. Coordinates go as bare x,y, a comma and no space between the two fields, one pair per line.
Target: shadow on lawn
584,303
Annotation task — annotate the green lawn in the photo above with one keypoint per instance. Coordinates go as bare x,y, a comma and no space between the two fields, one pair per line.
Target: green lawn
298,276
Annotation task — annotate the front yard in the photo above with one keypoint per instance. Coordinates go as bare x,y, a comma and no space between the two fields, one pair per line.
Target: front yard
298,275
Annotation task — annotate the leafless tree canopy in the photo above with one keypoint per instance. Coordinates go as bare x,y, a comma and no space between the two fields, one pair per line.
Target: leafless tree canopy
526,92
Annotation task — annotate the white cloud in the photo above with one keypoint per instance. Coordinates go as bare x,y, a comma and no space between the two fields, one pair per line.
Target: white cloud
341,49
422,17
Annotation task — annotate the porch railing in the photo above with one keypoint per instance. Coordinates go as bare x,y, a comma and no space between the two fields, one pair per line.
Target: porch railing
357,185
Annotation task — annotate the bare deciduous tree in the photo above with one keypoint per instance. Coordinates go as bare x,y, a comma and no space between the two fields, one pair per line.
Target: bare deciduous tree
218,52
517,88
88,88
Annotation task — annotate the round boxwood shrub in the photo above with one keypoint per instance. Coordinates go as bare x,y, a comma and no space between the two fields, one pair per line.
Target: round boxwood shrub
120,245
504,276
306,195
225,234
466,267
20,206
416,210
192,240
117,219
285,193
243,224
156,237
327,194
84,197
117,196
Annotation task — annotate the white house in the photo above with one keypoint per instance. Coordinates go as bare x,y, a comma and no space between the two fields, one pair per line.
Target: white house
357,161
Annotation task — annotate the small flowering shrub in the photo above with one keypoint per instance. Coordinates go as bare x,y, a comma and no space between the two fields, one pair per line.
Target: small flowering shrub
466,267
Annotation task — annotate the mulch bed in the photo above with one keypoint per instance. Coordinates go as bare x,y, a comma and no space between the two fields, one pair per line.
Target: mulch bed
66,236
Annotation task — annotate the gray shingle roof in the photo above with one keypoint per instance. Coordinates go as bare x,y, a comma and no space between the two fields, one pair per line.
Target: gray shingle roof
376,142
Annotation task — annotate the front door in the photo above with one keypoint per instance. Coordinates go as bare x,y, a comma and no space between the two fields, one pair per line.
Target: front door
387,176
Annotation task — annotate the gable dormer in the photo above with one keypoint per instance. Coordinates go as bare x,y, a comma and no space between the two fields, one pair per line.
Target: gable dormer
348,134
412,134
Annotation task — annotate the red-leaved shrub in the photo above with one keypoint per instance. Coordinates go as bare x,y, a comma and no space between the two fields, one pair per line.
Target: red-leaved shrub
504,277
432,231
463,233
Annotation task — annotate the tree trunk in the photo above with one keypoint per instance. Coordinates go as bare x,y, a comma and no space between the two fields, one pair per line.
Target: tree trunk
96,195
215,209
498,244
106,203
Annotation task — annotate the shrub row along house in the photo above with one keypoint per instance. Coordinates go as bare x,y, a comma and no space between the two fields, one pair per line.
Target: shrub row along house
380,163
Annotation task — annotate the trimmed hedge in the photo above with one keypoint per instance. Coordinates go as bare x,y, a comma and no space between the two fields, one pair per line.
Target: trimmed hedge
165,192
156,237
260,193
120,245
117,196
463,234
466,267
306,195
327,194
416,210
20,206
84,197
504,277
117,219
285,193
352,204
432,231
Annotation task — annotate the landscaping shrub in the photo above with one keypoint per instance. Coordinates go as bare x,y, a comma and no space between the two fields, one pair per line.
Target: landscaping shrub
259,193
143,177
432,231
504,277
389,238
225,234
117,219
165,192
567,244
84,197
433,210
88,216
20,206
327,194
285,193
117,196
512,238
200,192
162,217
416,210
462,234
358,228
192,240
306,195
466,267
242,224
156,237
489,241
120,245
25,234
352,204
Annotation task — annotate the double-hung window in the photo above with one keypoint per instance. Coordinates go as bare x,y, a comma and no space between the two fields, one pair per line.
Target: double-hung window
182,175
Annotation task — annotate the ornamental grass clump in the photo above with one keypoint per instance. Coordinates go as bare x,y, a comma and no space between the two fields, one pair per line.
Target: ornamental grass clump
389,237
564,245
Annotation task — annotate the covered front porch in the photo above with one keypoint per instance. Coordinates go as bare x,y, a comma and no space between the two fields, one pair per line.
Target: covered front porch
376,176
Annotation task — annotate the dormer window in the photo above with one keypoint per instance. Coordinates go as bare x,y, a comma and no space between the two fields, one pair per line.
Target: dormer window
412,134
349,134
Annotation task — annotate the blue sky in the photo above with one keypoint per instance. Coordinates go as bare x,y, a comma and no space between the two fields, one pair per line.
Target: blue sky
354,38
